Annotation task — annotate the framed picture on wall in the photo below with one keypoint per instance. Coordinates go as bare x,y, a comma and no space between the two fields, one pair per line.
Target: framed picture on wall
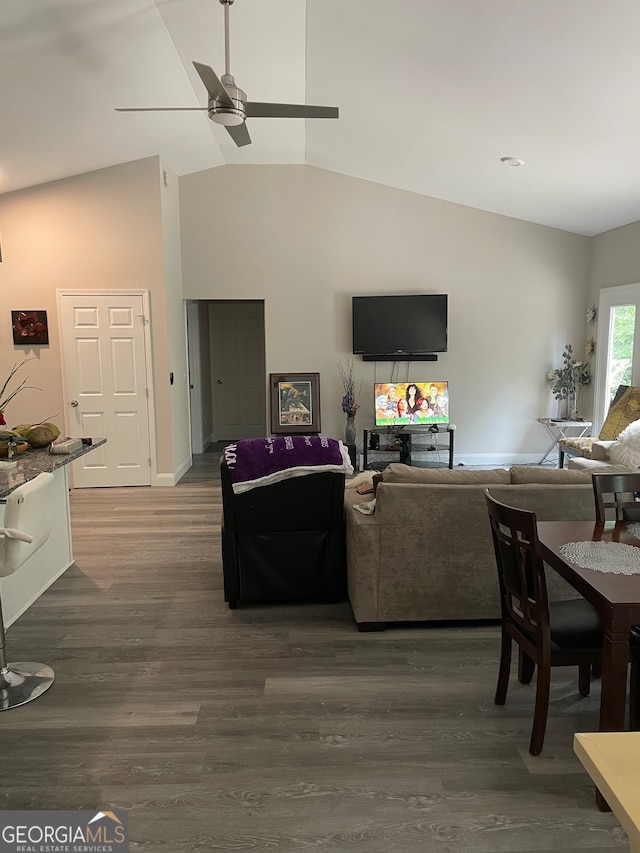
295,403
29,327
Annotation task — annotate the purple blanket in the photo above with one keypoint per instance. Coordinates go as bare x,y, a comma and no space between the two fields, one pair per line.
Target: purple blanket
256,462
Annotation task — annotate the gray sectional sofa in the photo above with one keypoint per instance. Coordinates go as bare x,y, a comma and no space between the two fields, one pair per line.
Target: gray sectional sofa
426,552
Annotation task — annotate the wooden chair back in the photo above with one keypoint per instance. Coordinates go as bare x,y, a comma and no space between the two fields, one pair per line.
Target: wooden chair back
614,496
523,587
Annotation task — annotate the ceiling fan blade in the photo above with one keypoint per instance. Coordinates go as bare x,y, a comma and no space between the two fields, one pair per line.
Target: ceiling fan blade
214,87
155,109
239,134
258,110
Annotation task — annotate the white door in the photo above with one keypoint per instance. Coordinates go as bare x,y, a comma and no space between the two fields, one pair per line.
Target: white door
104,362
238,369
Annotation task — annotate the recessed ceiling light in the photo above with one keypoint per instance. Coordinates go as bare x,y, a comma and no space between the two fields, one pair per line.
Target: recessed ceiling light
511,161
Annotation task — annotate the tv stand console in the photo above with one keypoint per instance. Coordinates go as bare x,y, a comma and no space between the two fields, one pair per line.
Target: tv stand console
404,443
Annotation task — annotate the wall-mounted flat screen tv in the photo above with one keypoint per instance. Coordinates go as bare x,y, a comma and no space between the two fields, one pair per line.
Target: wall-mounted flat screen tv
401,325
415,403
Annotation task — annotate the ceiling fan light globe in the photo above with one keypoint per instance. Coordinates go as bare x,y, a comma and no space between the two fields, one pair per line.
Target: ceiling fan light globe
227,118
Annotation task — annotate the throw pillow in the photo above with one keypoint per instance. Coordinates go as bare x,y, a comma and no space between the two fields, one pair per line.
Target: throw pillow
624,409
627,450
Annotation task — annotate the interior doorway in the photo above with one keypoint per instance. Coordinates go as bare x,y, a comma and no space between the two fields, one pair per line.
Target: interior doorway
230,348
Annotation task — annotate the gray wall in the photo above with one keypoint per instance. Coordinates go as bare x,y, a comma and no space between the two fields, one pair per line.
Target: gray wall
305,240
615,259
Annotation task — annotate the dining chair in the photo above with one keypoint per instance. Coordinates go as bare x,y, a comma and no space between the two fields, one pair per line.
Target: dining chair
560,633
615,496
615,500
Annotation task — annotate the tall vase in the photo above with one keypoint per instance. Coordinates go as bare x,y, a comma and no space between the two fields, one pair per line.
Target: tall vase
350,430
572,405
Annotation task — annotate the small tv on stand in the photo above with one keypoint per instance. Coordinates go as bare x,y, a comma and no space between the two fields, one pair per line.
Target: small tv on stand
419,403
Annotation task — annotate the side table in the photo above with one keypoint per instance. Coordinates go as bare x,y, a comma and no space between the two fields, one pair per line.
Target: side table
559,430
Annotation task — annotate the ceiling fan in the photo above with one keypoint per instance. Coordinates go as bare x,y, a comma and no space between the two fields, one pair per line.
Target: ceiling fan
228,105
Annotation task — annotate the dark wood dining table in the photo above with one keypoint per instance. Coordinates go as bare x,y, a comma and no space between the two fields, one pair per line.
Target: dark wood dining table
616,597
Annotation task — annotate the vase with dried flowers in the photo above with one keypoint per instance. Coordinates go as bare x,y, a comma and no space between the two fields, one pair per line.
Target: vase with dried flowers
352,387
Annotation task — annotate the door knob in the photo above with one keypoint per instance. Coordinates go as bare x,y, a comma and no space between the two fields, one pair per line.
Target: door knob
74,403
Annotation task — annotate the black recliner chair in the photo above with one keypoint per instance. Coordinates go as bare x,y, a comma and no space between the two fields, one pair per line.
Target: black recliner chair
284,542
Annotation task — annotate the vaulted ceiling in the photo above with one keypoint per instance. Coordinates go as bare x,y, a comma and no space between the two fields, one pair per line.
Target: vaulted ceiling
432,93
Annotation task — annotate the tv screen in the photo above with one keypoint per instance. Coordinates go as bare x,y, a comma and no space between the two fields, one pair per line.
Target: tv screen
400,325
415,403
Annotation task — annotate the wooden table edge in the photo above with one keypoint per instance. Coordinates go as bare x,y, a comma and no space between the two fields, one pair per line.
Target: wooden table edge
608,759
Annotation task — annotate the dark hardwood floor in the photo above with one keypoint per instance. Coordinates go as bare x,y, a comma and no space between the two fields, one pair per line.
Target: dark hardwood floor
275,728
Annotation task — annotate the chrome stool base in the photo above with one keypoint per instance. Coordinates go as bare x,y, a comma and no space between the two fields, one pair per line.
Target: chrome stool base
22,682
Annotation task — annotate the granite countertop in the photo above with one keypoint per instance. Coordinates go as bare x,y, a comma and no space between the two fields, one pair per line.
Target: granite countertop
36,460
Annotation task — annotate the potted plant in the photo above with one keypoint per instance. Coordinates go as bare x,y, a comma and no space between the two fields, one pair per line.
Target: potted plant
10,440
567,380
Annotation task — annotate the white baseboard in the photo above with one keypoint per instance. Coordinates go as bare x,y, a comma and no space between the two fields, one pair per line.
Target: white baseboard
164,480
183,467
171,479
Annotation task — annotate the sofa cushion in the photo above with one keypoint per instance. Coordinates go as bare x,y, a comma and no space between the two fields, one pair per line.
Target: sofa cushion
399,473
577,463
525,474
582,445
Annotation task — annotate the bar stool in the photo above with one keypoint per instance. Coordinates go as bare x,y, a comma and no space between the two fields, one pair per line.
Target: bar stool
27,527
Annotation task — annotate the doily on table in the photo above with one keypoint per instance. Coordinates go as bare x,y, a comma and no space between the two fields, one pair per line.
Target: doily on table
614,557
